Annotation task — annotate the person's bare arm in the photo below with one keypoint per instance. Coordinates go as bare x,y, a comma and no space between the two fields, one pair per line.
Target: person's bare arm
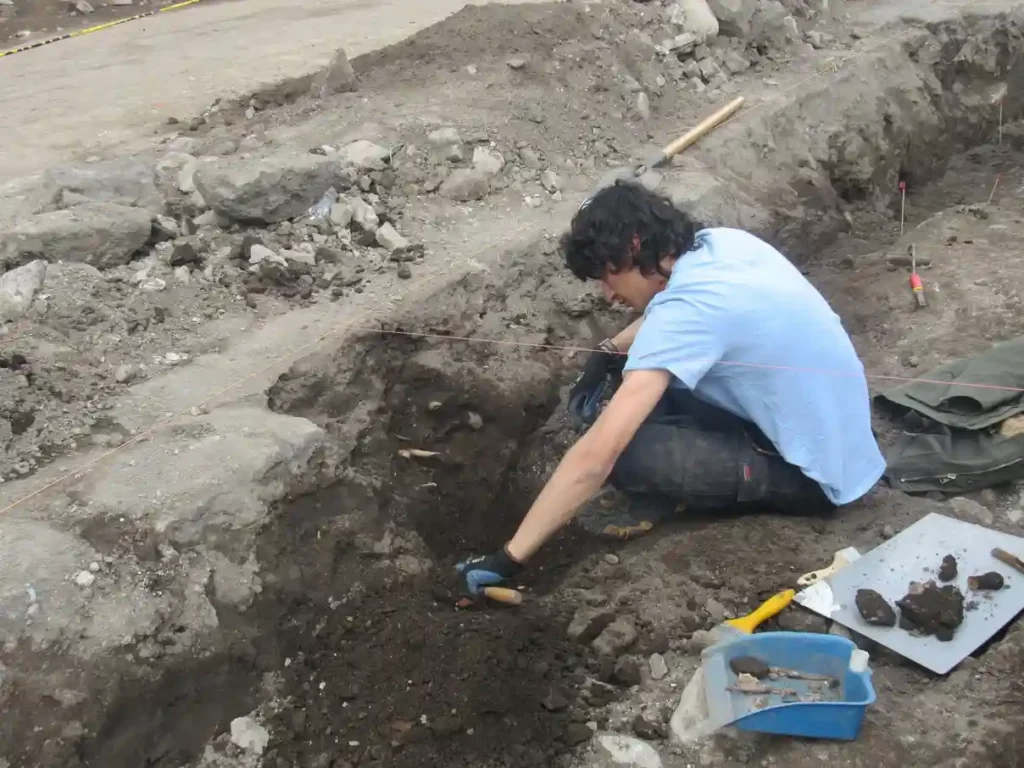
588,463
623,340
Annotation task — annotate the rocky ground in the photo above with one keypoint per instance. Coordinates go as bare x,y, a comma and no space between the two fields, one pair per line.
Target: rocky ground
169,576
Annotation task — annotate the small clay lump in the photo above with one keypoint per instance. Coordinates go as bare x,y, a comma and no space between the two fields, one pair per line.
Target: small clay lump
948,570
875,609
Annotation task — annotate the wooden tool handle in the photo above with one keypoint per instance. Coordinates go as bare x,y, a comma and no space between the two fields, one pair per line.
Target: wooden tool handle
815,576
703,128
1011,560
503,595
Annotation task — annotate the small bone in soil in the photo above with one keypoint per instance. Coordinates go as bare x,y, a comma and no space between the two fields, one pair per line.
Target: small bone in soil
875,609
948,570
751,685
751,666
990,580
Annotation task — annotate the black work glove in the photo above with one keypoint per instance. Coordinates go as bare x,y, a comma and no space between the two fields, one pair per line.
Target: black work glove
586,392
481,571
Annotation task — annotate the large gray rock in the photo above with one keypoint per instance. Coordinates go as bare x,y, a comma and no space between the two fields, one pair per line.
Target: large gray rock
337,77
467,184
615,749
101,234
41,603
124,182
201,497
695,17
18,288
269,189
366,156
734,16
772,23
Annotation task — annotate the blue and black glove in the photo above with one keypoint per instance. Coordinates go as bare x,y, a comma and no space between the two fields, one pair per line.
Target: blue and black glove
585,396
481,571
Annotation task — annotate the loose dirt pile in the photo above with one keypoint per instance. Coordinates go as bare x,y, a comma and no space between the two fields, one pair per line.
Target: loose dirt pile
272,581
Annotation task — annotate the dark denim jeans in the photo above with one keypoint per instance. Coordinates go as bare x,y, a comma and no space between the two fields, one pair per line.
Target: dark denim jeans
706,458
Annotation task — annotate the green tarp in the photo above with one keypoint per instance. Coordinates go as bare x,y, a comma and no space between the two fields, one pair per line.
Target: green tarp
961,448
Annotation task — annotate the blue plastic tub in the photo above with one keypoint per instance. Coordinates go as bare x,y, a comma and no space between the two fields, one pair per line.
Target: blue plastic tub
809,653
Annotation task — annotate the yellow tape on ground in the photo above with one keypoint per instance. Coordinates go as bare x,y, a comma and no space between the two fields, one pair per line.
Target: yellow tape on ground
96,28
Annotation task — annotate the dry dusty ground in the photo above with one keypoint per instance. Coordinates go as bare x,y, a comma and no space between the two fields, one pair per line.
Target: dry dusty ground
265,548
111,91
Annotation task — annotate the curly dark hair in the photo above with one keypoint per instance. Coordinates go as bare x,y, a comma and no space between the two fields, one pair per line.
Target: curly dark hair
605,228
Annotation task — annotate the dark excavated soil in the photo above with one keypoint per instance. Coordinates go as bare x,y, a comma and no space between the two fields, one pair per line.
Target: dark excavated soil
393,674
932,610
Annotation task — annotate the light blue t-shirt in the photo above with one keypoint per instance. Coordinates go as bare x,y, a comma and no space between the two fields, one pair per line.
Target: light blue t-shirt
740,326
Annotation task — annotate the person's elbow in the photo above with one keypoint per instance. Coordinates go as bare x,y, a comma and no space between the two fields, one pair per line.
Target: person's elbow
596,459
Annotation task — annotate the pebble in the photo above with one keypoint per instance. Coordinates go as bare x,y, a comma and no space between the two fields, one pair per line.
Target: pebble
404,272
249,735
611,559
587,624
185,253
888,531
363,215
647,730
517,62
94,567
84,579
659,669
555,701
972,510
550,181
476,421
616,637
488,161
444,137
389,238
259,253
627,673
715,610
701,639
643,106
577,733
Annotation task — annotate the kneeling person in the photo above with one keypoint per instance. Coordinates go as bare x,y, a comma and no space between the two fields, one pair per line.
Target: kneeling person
740,388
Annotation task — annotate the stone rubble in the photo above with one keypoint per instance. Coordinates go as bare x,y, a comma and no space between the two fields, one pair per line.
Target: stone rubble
388,238
18,288
337,77
270,189
618,750
659,669
249,735
616,637
100,234
125,182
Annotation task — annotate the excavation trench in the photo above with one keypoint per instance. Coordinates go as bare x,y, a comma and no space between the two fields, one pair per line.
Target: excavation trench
372,662
355,641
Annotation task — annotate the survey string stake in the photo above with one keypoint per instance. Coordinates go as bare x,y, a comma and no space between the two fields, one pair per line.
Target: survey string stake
998,95
903,204
1000,122
915,280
